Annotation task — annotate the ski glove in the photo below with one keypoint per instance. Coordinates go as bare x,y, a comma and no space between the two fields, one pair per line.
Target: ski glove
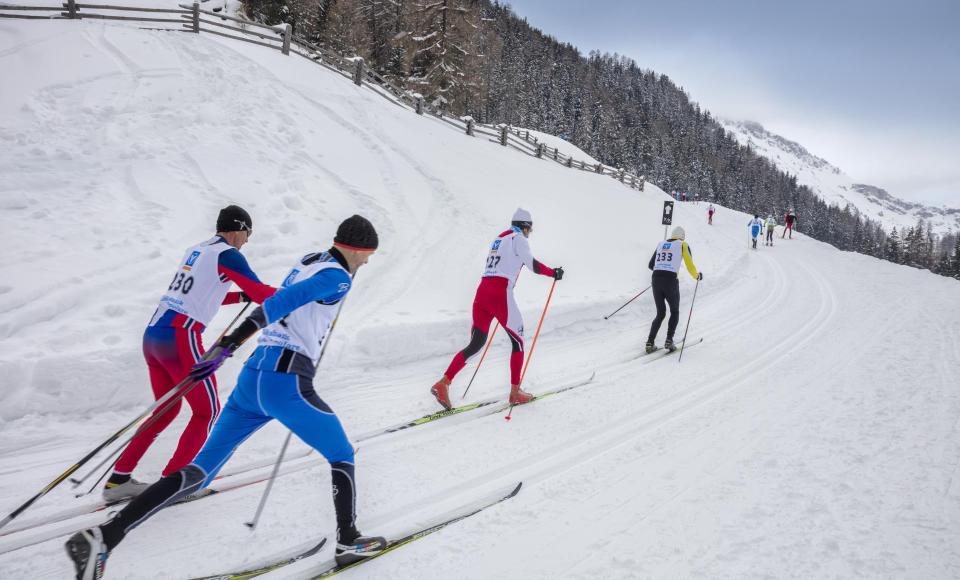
558,273
211,362
699,275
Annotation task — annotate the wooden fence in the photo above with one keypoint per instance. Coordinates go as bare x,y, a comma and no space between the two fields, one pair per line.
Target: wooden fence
191,18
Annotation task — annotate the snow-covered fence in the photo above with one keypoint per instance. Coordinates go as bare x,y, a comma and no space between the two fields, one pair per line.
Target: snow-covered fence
192,18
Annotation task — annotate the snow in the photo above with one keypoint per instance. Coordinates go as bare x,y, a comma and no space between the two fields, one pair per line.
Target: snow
814,433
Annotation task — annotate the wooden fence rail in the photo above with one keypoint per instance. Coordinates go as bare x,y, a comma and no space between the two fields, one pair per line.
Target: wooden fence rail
280,37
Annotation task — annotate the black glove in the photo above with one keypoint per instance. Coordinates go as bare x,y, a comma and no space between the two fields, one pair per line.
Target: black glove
699,275
244,297
558,273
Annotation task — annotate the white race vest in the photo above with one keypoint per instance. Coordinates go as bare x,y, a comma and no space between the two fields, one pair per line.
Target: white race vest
507,255
669,256
197,290
304,329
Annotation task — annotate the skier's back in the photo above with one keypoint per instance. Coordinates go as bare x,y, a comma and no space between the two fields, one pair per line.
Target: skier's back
665,264
508,254
756,226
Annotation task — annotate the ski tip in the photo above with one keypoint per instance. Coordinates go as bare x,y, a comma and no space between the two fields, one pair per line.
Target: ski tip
516,490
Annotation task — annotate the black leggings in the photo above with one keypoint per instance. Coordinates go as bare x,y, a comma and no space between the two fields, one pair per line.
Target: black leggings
666,290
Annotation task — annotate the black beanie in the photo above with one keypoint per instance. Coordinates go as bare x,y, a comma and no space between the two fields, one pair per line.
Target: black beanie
234,218
357,233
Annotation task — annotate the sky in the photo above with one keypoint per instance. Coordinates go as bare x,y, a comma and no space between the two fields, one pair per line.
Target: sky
872,86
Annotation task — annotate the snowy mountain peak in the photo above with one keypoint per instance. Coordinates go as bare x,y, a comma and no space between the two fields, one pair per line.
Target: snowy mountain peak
832,185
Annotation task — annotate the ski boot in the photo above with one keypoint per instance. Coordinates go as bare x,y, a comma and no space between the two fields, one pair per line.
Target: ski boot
353,547
650,348
669,346
519,397
114,492
89,554
441,392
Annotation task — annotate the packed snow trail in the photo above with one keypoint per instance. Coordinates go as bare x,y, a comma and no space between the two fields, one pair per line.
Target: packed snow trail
814,433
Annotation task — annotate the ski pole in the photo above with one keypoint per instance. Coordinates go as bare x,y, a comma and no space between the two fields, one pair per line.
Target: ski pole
86,458
177,393
485,349
687,329
628,302
533,344
273,477
283,449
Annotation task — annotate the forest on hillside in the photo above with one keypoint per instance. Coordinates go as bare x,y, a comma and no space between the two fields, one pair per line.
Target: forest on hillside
478,58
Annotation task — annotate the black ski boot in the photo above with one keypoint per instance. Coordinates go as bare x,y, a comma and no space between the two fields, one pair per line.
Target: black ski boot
650,347
669,345
353,547
89,554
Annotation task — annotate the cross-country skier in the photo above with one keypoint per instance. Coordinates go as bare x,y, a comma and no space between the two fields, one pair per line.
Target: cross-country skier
771,225
788,221
172,342
710,211
509,252
276,383
756,226
665,264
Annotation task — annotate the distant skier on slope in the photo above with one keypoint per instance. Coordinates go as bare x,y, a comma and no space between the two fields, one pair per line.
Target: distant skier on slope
756,226
789,220
509,252
771,225
710,211
276,383
665,264
172,342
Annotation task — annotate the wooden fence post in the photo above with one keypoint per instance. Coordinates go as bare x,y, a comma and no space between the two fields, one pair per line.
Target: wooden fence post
470,126
642,181
419,104
358,72
556,151
287,31
599,168
196,17
539,150
72,8
503,135
623,173
570,162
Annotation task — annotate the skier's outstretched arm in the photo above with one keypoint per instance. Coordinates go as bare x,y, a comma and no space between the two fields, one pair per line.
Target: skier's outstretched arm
688,261
234,267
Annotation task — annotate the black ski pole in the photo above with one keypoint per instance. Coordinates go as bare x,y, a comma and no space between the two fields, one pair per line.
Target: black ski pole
179,391
628,302
283,450
690,315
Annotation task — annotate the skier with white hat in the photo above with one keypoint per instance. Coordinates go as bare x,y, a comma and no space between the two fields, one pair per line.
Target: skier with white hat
509,252
665,264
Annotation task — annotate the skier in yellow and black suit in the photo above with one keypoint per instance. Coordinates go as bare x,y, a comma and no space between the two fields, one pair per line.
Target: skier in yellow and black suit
665,264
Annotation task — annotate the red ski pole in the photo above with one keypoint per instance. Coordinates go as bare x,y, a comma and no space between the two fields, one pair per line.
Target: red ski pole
533,344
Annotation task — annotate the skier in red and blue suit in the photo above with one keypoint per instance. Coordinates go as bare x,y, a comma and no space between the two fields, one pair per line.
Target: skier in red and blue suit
172,342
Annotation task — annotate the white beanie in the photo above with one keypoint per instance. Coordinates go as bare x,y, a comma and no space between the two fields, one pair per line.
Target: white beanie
522,215
678,233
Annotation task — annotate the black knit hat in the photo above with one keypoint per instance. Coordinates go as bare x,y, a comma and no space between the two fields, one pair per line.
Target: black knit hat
234,218
357,233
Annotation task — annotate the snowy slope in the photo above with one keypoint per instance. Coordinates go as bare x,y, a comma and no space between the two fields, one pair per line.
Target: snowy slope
834,186
806,437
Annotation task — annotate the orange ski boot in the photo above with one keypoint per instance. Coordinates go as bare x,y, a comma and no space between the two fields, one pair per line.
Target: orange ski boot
518,397
441,392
